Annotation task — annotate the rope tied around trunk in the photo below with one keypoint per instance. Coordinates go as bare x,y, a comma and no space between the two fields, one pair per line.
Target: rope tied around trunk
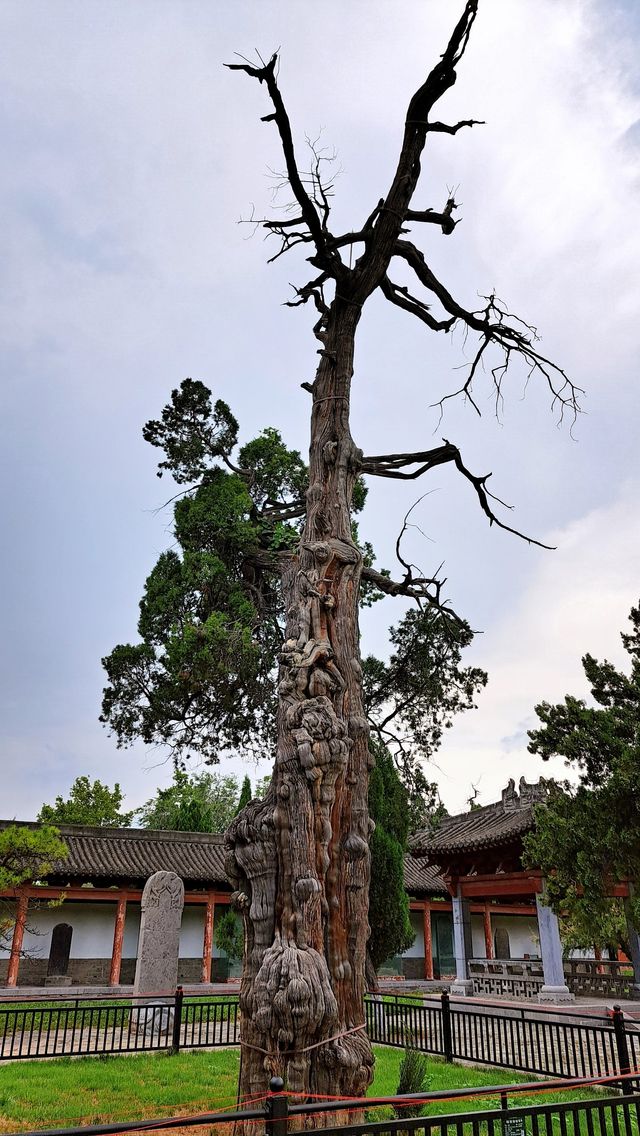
307,1048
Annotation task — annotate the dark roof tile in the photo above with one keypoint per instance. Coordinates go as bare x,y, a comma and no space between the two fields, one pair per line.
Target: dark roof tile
131,855
490,826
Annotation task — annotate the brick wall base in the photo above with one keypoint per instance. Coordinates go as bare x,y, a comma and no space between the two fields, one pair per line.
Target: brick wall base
95,972
413,967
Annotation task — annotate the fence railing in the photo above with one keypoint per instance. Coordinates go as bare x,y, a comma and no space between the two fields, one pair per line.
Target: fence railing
74,1027
525,1038
513,978
277,1114
523,978
600,977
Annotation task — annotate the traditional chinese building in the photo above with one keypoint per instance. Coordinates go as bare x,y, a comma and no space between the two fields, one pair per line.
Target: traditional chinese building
80,925
479,855
477,913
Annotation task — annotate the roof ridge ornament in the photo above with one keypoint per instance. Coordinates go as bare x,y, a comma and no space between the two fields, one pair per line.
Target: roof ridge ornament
531,793
510,798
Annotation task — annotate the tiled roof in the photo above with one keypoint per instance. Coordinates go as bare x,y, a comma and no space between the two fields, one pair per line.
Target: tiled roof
131,855
128,855
490,826
421,878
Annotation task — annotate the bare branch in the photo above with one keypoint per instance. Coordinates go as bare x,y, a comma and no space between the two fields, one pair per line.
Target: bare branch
495,324
312,218
392,213
405,525
402,298
444,128
432,217
274,511
422,589
393,465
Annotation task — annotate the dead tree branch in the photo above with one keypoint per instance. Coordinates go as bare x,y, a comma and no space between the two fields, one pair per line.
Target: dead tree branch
395,466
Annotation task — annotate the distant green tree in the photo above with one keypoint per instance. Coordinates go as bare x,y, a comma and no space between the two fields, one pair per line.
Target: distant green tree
245,794
391,931
579,930
587,836
261,786
229,937
26,855
89,802
197,802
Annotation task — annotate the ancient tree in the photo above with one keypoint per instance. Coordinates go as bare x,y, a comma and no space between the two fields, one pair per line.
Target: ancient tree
587,834
300,857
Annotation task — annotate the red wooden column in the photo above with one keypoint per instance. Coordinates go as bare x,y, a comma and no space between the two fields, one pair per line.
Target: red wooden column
18,936
118,936
428,943
207,943
488,937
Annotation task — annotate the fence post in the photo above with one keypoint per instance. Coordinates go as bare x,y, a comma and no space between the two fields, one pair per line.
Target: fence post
277,1108
447,1038
177,1019
622,1047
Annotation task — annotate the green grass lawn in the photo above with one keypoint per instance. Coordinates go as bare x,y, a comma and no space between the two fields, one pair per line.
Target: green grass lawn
68,1092
443,1076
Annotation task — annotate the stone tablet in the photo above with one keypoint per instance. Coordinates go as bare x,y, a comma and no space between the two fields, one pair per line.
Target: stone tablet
158,949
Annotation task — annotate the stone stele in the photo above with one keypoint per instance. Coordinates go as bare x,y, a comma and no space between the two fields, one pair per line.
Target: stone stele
158,949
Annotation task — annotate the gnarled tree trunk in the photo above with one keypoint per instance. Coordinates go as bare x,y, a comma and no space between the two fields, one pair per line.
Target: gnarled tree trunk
300,858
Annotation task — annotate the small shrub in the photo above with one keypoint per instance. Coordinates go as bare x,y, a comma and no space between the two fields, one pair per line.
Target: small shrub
414,1078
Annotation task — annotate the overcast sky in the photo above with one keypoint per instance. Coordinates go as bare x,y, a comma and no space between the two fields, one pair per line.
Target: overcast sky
129,154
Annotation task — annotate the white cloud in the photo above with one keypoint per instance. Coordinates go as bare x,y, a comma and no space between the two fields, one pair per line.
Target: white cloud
577,602
128,155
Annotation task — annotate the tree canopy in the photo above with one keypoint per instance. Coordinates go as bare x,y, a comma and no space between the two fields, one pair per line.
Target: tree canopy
587,835
203,678
28,853
194,802
89,802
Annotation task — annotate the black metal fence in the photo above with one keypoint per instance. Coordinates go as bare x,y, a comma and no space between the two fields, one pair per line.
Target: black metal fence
532,1040
277,1114
526,1038
74,1027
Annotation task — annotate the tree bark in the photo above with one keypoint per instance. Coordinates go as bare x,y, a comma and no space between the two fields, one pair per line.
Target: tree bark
300,858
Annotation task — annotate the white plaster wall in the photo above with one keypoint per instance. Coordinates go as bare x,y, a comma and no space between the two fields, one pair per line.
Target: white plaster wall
93,925
416,950
477,936
192,931
92,929
522,931
131,932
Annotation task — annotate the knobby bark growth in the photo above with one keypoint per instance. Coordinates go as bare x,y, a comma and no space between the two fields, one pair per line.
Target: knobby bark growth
299,858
